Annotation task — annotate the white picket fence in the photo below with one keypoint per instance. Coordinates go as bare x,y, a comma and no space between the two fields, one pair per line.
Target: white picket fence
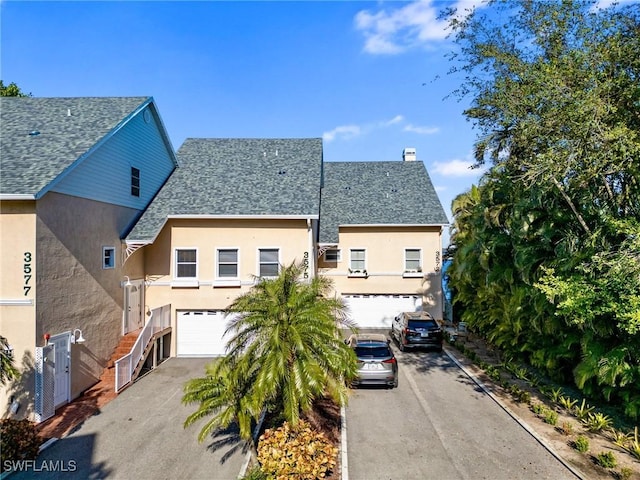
159,320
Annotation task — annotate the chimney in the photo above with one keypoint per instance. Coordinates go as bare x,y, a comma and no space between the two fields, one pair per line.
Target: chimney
409,154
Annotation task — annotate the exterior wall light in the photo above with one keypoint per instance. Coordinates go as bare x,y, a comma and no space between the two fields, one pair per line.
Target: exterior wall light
127,284
79,339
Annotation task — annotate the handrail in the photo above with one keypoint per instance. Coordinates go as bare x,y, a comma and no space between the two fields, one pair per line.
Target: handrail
159,320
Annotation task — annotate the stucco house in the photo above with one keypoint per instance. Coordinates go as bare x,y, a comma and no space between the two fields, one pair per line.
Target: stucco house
233,211
103,225
380,238
76,175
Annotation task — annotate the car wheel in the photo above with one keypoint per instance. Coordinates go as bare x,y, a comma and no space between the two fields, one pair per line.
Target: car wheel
395,382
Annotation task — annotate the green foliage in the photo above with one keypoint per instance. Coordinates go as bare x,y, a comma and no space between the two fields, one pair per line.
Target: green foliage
550,417
606,460
583,410
19,440
581,444
625,473
285,350
596,422
568,403
633,447
296,452
547,246
11,90
555,394
8,371
255,473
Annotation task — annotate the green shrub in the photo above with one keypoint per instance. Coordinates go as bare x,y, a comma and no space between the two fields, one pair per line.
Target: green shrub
583,410
524,397
634,445
555,394
567,403
625,473
255,473
538,408
19,440
606,460
581,444
550,417
296,452
596,422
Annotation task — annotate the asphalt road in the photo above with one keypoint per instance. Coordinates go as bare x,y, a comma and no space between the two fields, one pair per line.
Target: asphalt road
438,424
139,435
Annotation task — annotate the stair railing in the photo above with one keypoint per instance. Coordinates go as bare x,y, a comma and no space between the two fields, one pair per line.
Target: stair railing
159,320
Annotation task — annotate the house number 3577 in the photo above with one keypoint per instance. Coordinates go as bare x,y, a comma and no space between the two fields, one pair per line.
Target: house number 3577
27,272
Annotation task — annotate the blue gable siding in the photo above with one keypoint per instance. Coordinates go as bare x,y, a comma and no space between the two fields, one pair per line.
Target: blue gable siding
105,175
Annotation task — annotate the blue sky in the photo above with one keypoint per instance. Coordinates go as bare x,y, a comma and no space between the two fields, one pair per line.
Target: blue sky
369,77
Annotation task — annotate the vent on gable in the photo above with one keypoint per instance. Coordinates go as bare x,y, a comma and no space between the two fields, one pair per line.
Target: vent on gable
409,154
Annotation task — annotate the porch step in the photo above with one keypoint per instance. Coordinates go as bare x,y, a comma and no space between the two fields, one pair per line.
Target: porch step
124,347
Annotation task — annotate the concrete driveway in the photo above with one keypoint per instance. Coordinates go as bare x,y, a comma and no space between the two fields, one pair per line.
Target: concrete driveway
140,435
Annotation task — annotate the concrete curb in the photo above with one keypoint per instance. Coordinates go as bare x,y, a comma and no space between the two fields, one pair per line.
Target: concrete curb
512,414
344,461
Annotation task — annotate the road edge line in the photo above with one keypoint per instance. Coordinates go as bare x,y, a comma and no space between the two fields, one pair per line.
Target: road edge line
344,462
512,414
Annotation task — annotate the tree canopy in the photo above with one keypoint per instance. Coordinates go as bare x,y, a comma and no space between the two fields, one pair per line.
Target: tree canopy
11,90
547,260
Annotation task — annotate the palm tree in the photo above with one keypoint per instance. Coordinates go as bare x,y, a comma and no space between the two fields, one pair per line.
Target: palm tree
286,349
7,369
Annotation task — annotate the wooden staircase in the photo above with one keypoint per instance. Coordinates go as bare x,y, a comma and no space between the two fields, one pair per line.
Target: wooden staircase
108,378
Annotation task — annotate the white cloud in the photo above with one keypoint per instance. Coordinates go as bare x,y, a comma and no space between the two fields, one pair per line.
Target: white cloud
455,168
440,188
344,132
421,130
396,30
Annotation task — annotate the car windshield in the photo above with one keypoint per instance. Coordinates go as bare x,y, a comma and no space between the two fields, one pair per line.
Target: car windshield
422,324
372,351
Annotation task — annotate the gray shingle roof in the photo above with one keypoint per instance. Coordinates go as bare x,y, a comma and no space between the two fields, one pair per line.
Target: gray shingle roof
232,177
68,128
370,193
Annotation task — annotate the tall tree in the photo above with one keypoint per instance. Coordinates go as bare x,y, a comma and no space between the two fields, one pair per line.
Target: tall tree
285,350
11,90
553,225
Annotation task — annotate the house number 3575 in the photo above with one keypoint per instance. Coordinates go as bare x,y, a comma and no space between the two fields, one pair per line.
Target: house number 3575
27,272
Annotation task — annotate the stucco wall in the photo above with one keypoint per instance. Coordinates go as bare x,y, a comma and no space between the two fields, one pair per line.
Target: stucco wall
17,303
385,263
291,237
74,290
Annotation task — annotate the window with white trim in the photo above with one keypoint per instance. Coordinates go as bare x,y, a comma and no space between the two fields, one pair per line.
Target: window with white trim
108,257
412,260
332,255
186,263
357,260
269,262
227,259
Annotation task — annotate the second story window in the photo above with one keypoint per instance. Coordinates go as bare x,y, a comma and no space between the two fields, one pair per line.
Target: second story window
412,260
186,263
332,255
269,262
135,182
227,263
357,260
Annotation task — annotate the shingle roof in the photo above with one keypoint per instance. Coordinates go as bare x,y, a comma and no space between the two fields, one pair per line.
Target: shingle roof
377,193
68,128
235,177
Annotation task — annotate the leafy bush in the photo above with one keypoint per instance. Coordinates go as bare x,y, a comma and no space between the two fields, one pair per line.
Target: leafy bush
255,473
538,408
568,403
581,444
555,394
296,452
625,473
634,444
606,460
596,422
19,440
583,410
550,417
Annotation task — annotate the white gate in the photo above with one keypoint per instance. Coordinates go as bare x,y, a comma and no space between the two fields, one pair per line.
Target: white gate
62,368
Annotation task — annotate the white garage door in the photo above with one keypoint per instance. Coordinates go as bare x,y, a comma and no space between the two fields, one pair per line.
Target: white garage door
200,333
377,311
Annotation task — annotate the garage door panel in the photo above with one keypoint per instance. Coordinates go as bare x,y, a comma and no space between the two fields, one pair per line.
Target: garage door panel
378,311
201,333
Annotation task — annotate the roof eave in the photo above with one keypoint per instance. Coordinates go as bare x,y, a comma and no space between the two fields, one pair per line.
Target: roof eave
17,196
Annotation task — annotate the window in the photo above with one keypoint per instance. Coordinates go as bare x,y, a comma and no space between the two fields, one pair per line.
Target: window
332,255
186,263
108,257
269,262
227,263
412,261
135,182
357,260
